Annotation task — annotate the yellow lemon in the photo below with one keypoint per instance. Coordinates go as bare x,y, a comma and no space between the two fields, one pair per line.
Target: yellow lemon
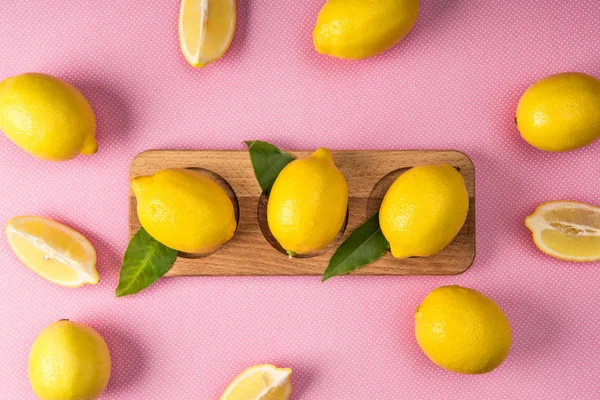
46,117
560,112
462,330
53,251
69,361
357,29
206,29
184,210
260,382
567,230
308,203
423,210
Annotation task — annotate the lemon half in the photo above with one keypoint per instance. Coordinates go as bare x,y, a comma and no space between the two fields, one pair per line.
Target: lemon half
52,250
567,230
260,382
206,29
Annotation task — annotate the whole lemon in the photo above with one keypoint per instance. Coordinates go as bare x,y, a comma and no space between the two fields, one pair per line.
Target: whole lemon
357,29
69,361
462,330
560,112
308,203
46,117
423,210
184,210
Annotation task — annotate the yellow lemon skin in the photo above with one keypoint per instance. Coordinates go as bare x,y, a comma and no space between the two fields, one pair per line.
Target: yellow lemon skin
357,29
423,210
462,330
308,203
184,210
560,112
47,117
69,361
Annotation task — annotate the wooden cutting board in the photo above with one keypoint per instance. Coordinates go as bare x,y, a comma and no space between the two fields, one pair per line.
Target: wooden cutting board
253,251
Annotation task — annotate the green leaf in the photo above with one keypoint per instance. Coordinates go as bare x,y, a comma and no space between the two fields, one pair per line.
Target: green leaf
268,161
365,245
145,260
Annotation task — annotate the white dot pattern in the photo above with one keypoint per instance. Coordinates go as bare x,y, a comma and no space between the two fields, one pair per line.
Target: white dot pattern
454,82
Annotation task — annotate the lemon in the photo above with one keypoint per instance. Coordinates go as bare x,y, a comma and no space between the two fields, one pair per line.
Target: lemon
206,29
46,117
423,210
260,382
462,330
69,361
560,112
357,29
308,203
184,210
567,230
52,250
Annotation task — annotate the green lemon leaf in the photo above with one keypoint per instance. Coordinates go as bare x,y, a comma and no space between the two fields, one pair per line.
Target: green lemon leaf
268,161
365,245
145,260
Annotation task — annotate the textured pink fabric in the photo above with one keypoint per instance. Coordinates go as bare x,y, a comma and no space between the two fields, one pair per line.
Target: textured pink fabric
454,82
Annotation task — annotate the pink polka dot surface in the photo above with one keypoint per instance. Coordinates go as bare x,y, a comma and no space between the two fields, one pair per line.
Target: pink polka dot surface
453,82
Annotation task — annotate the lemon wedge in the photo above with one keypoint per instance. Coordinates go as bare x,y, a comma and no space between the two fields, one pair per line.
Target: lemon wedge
260,382
206,29
567,230
53,251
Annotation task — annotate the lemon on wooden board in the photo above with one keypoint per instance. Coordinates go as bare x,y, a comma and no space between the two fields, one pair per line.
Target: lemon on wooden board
423,210
46,117
260,382
184,210
357,29
560,112
462,330
567,230
206,29
52,250
69,361
308,203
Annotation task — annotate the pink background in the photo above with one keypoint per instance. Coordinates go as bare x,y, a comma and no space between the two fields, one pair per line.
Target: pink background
454,82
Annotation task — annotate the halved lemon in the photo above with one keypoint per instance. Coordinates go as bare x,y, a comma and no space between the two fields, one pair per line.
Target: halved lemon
567,230
260,382
53,251
206,29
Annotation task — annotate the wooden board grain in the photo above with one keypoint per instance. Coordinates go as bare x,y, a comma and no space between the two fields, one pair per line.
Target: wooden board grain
252,251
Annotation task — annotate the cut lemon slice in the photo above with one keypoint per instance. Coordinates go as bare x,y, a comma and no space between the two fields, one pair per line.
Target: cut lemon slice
260,382
205,29
53,251
567,230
